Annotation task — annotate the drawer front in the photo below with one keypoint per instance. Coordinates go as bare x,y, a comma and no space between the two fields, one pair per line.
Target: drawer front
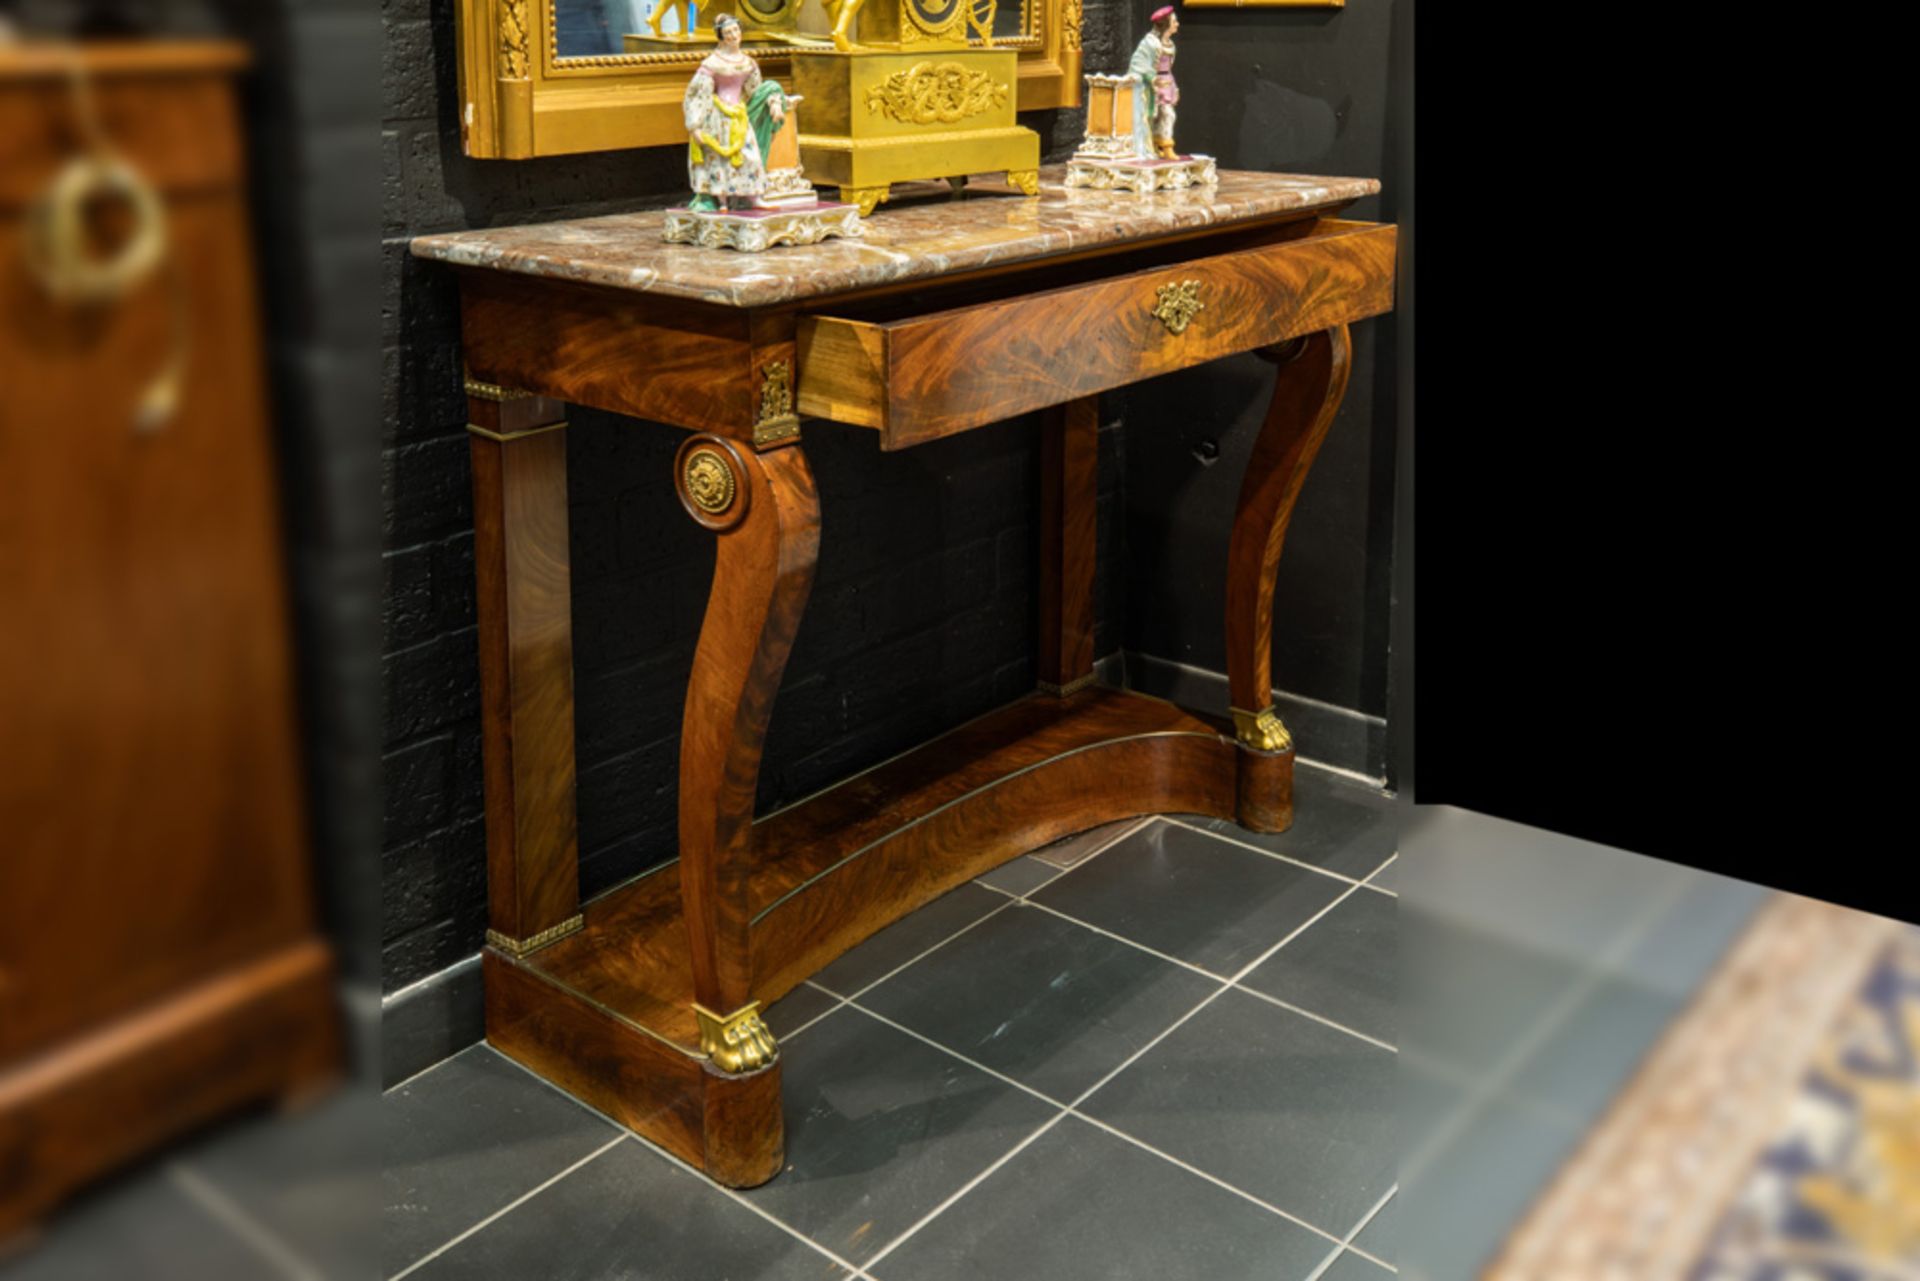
929,376
169,112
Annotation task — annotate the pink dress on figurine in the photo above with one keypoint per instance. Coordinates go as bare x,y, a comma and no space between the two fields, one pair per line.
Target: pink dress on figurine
716,104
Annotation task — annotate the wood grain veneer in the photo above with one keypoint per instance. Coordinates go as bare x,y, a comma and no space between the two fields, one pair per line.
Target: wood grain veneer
159,959
934,374
1040,316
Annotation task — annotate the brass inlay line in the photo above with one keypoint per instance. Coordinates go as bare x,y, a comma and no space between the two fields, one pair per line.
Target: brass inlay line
478,430
988,787
533,942
602,1007
494,391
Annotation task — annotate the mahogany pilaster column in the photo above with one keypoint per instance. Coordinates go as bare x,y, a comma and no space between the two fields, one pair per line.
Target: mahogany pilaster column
525,607
1069,483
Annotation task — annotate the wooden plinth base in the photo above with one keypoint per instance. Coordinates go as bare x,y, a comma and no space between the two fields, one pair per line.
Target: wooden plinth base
607,1013
269,1029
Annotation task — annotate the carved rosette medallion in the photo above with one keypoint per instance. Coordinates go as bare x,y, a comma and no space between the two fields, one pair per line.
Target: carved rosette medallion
712,479
737,1042
936,93
709,480
1176,304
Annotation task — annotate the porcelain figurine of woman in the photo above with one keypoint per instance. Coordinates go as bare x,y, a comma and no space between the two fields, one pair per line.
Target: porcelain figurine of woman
731,115
1152,66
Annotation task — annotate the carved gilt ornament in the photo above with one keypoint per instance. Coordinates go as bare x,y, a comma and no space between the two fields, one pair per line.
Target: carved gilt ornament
1176,305
935,93
710,482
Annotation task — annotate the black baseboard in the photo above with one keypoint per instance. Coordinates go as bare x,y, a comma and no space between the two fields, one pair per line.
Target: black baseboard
1323,734
431,1020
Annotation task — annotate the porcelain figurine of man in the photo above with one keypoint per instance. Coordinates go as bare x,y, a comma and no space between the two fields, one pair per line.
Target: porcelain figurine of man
1152,66
731,115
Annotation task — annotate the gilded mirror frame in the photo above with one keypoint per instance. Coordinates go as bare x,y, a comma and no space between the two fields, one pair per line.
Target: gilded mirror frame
520,99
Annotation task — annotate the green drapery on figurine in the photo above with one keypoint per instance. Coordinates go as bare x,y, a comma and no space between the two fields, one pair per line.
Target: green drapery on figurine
761,115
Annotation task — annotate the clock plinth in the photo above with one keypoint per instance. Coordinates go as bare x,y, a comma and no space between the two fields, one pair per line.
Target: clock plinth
879,116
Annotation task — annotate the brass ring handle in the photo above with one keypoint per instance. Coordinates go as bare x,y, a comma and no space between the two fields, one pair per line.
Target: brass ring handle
1176,304
55,242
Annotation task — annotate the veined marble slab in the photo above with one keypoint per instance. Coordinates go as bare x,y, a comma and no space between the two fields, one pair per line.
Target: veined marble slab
908,241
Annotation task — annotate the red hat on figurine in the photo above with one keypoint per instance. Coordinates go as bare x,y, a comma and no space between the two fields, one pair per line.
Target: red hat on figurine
1164,11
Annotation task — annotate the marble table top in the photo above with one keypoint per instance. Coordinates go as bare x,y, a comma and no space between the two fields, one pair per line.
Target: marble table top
906,241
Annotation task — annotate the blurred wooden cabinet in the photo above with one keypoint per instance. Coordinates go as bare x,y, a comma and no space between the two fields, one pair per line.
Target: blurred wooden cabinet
159,962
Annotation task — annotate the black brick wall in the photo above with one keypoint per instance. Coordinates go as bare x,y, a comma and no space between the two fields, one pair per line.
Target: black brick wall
923,611
1288,91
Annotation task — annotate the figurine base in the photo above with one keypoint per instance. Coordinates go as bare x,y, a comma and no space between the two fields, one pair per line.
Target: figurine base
751,230
1141,174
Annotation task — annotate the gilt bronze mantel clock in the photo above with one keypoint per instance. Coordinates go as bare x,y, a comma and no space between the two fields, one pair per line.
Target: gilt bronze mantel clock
912,98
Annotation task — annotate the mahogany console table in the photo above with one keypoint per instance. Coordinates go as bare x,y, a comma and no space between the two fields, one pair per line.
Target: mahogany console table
947,316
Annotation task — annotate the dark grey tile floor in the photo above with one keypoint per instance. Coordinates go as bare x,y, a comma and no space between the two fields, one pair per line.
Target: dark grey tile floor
1536,972
1163,1050
260,1197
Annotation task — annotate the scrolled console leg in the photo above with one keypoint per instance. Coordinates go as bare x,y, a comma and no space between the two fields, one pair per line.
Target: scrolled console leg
1312,379
764,510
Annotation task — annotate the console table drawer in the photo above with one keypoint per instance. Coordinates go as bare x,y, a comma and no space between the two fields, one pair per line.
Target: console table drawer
921,377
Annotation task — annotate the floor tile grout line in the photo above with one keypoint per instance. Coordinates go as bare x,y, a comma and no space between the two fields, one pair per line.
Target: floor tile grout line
428,1068
1305,1013
1073,1110
916,959
965,1188
1132,943
1206,973
1195,1170
1179,1022
1022,1086
514,1204
1022,896
1099,849
1466,1081
1371,876
1365,1219
838,1001
1284,858
1489,1083
657,1150
1267,955
259,1238
739,1198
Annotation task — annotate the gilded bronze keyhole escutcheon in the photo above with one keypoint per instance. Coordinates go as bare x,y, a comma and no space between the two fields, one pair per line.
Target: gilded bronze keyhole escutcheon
1176,305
